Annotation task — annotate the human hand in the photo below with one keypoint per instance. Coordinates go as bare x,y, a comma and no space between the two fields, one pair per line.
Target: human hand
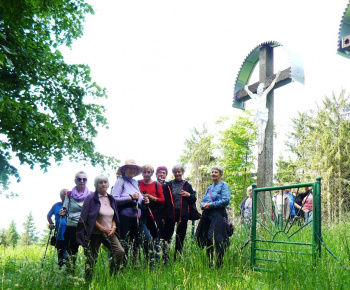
51,226
63,212
146,200
206,206
184,193
135,196
111,231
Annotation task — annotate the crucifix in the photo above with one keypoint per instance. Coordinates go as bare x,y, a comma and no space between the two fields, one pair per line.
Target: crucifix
264,54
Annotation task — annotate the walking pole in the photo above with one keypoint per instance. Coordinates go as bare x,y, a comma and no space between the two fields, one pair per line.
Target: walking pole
58,234
47,244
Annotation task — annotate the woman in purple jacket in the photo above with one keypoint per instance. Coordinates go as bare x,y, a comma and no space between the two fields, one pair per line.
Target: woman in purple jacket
132,208
97,224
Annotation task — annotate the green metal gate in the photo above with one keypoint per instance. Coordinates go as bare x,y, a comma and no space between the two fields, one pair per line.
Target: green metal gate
276,237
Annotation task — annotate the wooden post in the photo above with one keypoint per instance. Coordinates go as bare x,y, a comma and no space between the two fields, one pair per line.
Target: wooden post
265,159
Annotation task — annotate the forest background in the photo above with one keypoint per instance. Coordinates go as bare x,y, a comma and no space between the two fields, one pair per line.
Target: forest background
167,70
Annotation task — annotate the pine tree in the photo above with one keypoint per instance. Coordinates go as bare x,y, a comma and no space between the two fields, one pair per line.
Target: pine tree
12,235
29,236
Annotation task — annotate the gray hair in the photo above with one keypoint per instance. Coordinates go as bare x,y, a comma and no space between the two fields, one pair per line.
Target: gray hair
80,172
63,192
100,178
177,167
249,188
218,168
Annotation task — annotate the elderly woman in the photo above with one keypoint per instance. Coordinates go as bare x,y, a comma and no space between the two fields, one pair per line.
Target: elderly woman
130,201
281,206
153,190
97,225
212,228
247,208
178,195
73,203
60,227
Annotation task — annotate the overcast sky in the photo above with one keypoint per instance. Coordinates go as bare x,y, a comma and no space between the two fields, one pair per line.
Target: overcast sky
170,66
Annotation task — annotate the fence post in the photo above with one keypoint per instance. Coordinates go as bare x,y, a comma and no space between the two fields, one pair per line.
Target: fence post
317,216
253,232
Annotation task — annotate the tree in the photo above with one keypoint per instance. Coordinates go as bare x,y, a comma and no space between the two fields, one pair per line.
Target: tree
11,235
320,146
3,237
236,154
198,156
286,171
29,236
47,107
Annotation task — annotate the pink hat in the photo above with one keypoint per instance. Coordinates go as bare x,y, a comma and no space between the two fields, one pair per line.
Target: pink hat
131,163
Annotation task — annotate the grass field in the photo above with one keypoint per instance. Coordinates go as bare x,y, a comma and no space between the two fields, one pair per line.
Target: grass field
24,268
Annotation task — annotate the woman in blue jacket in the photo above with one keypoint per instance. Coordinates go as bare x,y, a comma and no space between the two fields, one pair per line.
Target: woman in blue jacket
212,228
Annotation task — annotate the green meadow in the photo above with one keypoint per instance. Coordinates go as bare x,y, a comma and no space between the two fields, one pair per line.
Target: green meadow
25,268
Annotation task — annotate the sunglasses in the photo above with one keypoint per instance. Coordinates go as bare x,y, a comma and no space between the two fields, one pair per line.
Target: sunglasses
81,179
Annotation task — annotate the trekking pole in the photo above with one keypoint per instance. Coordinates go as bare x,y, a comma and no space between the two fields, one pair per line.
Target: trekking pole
47,244
58,234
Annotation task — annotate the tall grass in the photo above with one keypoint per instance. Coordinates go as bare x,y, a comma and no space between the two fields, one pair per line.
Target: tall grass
24,268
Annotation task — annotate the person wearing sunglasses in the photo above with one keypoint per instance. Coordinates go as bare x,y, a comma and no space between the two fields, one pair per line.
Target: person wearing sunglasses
72,206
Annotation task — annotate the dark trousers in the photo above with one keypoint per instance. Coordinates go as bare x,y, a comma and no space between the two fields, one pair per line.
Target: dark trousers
112,244
61,252
212,234
169,228
72,246
133,235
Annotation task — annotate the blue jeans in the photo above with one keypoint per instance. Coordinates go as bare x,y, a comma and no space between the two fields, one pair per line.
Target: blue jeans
308,217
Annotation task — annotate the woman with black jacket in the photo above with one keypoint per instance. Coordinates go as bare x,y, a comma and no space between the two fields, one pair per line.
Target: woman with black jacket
178,195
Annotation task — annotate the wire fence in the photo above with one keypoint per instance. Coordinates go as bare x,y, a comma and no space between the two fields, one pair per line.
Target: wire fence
335,201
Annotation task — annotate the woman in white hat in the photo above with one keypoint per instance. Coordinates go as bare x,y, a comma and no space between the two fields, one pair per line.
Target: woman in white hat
130,201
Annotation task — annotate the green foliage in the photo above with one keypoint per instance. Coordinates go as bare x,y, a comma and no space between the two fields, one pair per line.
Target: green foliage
47,107
320,145
3,240
12,235
198,156
236,145
232,150
21,268
29,236
287,171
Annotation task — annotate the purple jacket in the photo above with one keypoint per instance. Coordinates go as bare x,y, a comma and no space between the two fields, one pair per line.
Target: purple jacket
88,217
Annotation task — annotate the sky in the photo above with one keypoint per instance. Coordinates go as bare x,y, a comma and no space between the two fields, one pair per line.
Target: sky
170,66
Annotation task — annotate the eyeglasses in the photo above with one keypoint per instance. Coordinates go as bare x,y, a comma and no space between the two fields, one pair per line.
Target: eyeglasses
81,179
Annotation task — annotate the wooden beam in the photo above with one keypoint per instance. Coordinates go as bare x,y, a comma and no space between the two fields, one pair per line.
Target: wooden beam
283,79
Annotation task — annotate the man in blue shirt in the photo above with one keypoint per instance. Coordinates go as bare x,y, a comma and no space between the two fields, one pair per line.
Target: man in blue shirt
60,227
291,201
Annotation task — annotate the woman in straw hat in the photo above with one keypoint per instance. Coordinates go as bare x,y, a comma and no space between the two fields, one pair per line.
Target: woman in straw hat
130,203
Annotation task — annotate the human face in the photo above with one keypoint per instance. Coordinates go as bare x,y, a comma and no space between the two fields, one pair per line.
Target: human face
102,187
178,174
80,181
260,88
215,175
147,173
130,172
161,175
250,192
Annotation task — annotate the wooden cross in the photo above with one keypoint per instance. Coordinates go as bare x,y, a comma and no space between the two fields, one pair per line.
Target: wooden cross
266,76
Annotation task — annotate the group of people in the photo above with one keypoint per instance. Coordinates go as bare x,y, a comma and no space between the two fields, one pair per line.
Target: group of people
286,205
138,215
